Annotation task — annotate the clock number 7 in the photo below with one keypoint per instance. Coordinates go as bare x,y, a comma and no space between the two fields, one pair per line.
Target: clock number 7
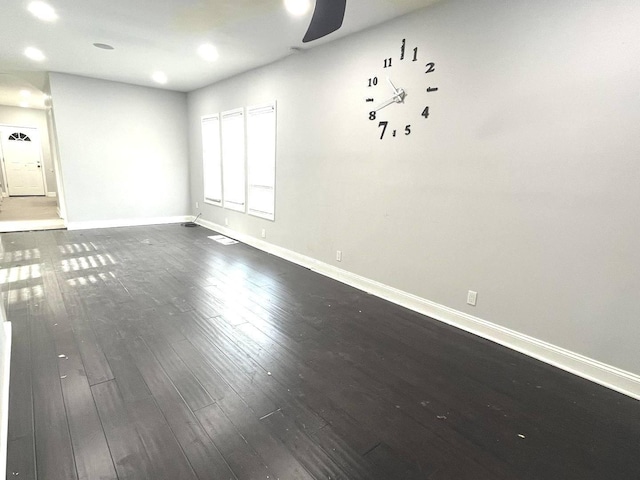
384,128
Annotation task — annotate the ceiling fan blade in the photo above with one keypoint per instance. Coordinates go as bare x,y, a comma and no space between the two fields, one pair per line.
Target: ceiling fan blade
327,18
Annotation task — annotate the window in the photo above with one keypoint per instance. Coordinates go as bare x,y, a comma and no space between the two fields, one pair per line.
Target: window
261,160
233,158
19,137
211,159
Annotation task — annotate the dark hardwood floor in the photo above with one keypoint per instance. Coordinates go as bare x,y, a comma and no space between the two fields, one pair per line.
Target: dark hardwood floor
156,353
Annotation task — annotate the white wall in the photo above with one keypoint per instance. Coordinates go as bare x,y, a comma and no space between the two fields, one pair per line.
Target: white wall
5,366
521,185
123,150
30,117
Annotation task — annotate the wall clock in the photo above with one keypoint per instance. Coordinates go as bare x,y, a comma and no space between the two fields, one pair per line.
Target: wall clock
404,83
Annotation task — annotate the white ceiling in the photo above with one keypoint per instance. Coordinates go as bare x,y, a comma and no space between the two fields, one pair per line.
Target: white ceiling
151,35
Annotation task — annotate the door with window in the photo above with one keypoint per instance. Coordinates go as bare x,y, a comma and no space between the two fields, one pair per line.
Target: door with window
22,161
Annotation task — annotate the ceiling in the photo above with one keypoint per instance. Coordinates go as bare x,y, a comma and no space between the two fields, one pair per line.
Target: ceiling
161,35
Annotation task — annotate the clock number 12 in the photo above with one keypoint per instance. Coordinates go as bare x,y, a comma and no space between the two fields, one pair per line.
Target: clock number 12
403,48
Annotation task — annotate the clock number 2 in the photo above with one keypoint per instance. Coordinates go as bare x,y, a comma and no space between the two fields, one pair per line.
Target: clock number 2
431,67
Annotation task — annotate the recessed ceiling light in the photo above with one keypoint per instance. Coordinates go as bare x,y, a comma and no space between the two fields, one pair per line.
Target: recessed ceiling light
160,77
103,46
25,93
297,7
34,54
208,52
43,11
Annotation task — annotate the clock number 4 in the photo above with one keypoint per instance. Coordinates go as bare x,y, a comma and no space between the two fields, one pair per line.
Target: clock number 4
425,112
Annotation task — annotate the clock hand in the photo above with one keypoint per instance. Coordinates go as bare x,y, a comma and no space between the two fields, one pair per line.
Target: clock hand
386,104
397,98
395,90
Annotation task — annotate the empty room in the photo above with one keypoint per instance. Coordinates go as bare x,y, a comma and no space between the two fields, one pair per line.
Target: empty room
330,239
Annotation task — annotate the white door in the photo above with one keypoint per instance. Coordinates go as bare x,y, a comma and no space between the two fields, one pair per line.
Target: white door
22,160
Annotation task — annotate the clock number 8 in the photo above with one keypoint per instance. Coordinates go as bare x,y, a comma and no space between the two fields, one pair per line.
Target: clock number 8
372,115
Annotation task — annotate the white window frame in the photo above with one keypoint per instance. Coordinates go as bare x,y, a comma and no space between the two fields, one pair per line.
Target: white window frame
234,189
212,161
261,160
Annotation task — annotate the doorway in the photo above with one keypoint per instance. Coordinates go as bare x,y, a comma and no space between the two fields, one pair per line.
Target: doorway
22,156
25,203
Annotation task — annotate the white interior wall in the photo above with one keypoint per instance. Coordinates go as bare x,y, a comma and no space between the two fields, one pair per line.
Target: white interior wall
123,151
33,118
522,185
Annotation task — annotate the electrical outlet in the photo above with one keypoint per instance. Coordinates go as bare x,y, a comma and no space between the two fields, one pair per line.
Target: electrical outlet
264,233
226,222
197,204
472,297
339,255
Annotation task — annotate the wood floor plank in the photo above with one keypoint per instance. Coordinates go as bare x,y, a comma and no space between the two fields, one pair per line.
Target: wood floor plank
54,452
167,457
128,452
204,457
190,389
94,361
240,377
90,449
272,450
21,458
314,459
243,460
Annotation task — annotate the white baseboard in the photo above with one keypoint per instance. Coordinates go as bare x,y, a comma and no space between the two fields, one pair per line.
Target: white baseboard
128,222
611,377
26,225
5,370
